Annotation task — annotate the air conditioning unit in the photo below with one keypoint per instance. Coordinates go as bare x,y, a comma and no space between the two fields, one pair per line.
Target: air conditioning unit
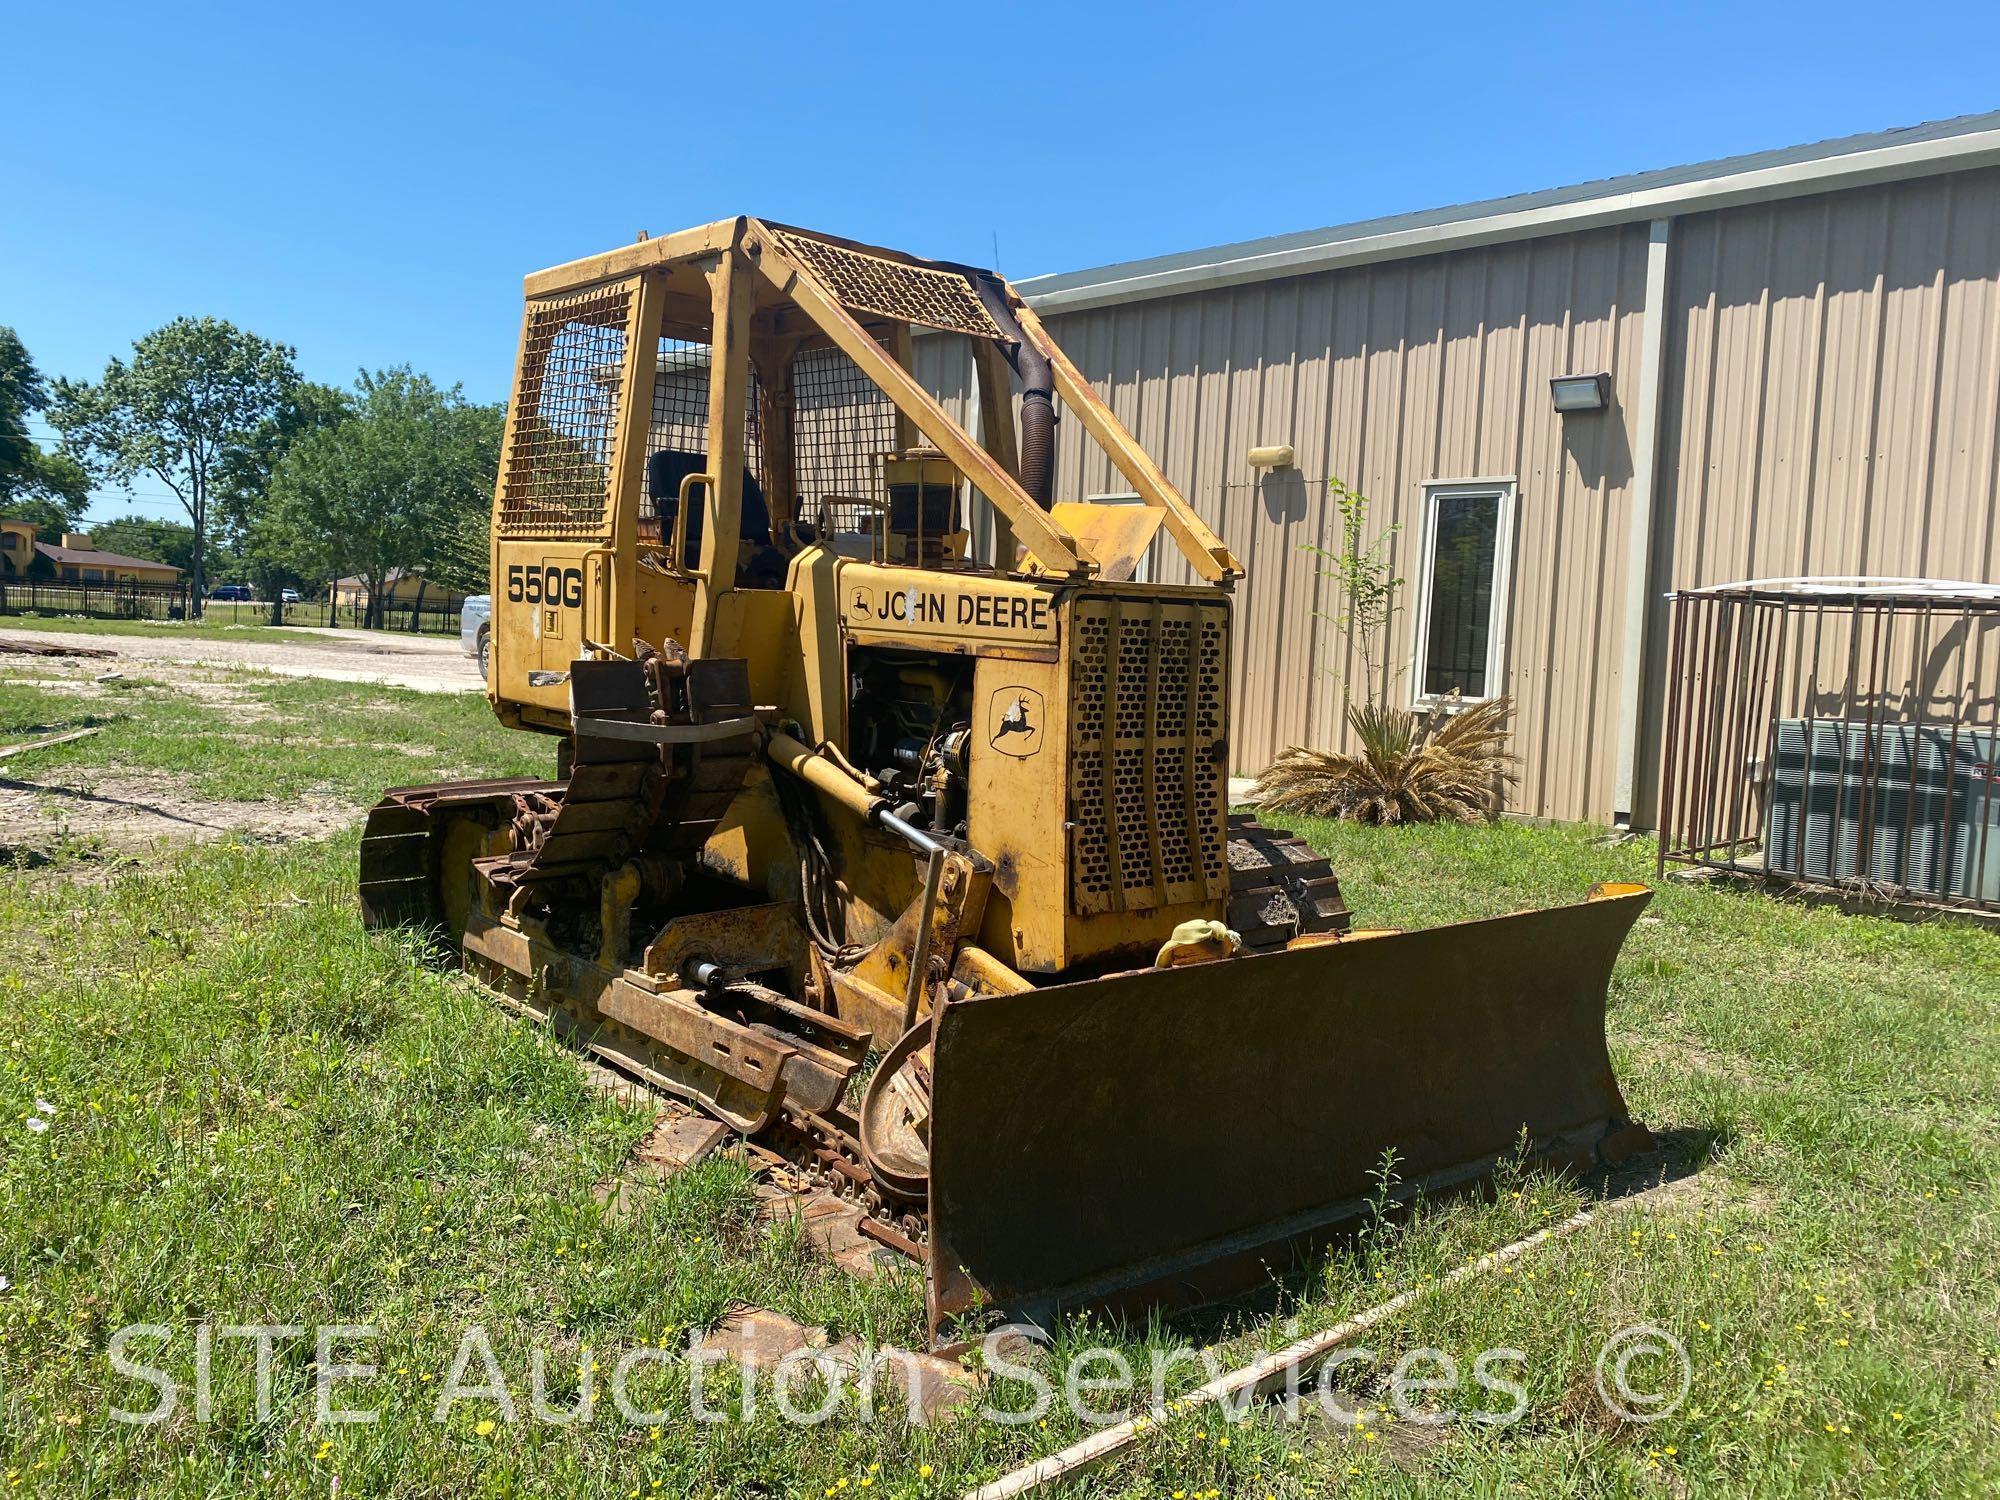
1910,806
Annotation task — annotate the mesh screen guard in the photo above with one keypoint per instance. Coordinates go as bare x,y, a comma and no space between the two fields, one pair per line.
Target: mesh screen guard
842,424
930,295
680,413
562,461
560,453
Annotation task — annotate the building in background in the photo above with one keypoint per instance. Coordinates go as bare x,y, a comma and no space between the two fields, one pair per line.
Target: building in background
1567,403
74,560
401,589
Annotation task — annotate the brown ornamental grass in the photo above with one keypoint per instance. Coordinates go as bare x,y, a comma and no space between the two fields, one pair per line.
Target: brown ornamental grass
1444,766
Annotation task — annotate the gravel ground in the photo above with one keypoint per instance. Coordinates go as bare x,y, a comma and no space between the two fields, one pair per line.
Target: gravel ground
431,664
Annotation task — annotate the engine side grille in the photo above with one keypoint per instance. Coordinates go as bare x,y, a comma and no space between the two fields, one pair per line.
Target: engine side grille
1148,731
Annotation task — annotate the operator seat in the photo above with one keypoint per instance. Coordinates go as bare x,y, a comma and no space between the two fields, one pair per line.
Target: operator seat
759,565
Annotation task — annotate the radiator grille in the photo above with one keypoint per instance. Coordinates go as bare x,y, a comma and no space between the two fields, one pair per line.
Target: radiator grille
894,289
1147,785
560,453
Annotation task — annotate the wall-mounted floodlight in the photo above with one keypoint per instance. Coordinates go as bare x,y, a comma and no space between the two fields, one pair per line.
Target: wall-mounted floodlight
1273,456
1581,392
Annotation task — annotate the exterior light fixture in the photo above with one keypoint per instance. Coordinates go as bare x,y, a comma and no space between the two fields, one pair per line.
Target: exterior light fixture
1580,392
1273,456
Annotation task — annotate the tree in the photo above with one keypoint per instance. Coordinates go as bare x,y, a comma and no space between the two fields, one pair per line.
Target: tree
195,396
389,490
146,536
245,476
51,517
262,551
461,558
47,488
1365,577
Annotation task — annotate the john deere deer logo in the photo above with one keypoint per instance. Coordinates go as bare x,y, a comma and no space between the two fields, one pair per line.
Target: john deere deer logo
1014,721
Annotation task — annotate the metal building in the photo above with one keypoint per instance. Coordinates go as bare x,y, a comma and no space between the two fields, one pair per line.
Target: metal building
1786,363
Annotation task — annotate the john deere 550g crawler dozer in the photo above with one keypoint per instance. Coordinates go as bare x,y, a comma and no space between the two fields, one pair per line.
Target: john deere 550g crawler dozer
872,749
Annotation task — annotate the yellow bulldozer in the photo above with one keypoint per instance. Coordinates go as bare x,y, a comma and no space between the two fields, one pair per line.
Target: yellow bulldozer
891,819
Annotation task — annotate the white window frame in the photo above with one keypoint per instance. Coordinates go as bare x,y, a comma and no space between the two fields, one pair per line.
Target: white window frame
1507,491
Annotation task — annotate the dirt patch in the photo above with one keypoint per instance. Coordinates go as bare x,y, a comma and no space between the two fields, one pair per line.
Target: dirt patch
1356,1424
1730,1067
127,813
212,690
76,687
381,747
432,664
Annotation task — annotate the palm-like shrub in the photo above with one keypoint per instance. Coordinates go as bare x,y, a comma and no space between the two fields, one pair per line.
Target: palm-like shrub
1408,769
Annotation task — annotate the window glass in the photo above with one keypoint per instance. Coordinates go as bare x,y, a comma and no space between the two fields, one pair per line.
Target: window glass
1466,539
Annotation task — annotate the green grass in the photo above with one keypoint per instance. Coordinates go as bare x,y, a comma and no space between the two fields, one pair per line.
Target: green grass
252,627
265,1115
246,737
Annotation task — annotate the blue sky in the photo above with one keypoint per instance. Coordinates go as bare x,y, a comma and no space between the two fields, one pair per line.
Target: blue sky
369,183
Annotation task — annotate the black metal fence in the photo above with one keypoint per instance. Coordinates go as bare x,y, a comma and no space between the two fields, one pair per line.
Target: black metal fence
1837,732
435,614
115,601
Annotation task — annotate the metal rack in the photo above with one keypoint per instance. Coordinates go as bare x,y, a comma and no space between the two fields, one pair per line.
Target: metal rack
1839,732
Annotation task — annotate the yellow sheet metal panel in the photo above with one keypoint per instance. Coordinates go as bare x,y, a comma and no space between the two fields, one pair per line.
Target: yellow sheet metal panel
905,605
543,592
759,627
1117,537
816,688
1015,813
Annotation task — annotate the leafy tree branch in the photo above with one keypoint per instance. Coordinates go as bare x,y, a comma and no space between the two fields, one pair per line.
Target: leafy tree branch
186,410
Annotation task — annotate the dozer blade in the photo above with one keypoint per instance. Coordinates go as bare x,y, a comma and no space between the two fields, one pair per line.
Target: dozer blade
1172,1136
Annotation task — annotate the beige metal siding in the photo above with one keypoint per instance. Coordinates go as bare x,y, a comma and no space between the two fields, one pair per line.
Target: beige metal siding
1832,396
943,366
1394,376
1830,404
1834,386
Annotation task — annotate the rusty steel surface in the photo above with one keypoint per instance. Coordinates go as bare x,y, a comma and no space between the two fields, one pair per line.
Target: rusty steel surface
1135,1132
399,866
1839,733
892,1140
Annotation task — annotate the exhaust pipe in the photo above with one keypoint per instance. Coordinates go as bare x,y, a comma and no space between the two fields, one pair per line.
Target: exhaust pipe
1038,390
